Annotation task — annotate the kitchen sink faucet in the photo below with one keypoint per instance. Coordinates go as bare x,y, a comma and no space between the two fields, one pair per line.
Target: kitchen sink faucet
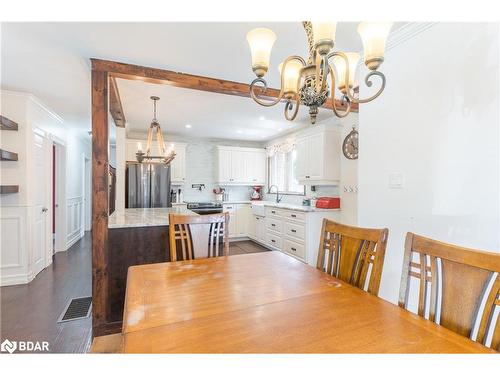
278,198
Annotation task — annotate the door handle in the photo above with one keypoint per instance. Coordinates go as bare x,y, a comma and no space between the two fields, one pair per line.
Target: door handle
45,209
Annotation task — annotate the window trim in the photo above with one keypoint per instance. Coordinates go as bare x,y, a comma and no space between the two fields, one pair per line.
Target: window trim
302,194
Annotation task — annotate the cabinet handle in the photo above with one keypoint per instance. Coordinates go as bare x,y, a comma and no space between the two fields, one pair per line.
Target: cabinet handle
293,230
273,212
273,225
293,249
273,241
293,215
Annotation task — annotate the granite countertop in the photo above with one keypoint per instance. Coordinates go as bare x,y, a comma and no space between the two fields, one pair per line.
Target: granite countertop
144,217
295,207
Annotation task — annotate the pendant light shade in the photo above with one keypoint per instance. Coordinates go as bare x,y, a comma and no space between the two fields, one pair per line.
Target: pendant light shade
261,41
374,36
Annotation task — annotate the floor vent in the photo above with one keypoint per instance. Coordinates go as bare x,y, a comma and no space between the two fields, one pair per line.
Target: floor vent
77,308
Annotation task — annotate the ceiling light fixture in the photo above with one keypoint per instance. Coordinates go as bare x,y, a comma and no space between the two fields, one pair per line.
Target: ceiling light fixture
188,126
307,82
154,127
262,118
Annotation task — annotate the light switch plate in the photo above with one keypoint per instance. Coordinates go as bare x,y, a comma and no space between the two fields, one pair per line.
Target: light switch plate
396,181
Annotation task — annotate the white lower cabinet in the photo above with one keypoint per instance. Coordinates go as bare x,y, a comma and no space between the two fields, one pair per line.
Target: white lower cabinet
240,219
296,233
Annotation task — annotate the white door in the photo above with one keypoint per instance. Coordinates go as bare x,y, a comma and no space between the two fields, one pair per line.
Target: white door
41,256
315,156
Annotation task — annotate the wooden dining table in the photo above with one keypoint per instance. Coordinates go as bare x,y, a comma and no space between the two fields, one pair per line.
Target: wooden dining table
268,303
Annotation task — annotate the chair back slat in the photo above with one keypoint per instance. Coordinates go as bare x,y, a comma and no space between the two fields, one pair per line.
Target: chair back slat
464,287
354,255
193,237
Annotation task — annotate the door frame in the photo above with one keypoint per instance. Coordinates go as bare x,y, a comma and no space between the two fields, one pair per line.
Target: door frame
60,178
86,196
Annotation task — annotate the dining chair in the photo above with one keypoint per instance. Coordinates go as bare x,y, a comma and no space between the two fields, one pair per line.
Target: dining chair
457,287
352,254
198,236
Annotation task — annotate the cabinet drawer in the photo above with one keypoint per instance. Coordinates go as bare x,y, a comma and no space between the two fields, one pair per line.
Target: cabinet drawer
295,230
274,224
272,211
273,240
295,248
294,215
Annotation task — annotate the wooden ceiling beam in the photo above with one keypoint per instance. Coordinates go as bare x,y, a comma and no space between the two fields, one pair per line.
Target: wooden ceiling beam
115,104
188,81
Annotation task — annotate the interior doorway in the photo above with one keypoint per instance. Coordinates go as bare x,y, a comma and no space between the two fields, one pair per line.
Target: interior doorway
58,231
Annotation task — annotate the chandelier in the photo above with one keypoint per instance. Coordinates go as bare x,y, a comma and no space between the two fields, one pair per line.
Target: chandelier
306,82
165,157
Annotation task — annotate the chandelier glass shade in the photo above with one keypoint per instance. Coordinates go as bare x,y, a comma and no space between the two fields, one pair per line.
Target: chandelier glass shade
313,81
165,156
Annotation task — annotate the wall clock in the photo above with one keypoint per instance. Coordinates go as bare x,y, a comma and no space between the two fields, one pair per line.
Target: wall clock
350,145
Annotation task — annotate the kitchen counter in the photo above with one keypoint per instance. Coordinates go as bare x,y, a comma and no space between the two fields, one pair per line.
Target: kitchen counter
295,207
145,217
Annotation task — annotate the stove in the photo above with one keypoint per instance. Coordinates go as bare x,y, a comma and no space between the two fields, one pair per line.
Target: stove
205,208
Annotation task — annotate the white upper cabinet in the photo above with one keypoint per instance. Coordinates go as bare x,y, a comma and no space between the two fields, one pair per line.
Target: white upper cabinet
177,166
318,157
241,166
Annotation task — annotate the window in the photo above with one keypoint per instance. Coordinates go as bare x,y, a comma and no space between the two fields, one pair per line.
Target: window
282,173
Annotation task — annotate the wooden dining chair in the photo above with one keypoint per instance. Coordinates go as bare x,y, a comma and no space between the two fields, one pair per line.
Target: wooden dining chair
198,236
458,288
354,255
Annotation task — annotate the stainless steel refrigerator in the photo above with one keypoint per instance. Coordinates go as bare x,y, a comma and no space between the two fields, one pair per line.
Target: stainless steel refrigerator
148,185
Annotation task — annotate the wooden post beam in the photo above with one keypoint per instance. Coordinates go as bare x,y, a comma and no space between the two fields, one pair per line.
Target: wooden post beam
189,81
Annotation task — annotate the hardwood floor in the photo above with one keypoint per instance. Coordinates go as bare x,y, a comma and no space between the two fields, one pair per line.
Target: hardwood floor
30,312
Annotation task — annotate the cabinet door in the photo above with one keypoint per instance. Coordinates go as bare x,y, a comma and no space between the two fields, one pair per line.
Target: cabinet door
224,166
237,166
178,165
233,219
302,159
244,214
315,157
259,229
260,160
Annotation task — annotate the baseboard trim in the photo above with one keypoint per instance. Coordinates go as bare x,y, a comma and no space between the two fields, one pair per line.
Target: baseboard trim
74,240
8,280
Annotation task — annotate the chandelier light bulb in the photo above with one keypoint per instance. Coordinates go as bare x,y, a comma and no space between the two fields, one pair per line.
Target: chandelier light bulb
324,36
374,36
290,76
261,41
340,68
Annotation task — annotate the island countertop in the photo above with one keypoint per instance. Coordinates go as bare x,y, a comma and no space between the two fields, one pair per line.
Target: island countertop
144,217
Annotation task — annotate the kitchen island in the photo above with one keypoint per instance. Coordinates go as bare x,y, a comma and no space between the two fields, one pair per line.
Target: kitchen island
135,236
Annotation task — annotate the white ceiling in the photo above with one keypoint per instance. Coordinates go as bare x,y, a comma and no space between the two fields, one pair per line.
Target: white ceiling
51,60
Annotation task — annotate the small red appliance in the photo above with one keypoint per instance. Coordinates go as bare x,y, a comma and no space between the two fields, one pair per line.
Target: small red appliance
328,202
256,193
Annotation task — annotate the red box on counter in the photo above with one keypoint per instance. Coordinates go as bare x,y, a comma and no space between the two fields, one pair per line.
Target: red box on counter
328,202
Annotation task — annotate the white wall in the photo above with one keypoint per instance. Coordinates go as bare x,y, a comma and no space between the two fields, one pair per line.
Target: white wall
16,209
436,126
